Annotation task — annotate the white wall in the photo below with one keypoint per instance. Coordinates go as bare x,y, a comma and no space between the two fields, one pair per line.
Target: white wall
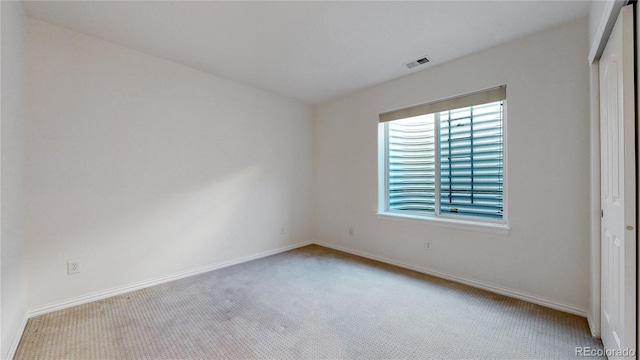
141,168
546,254
13,267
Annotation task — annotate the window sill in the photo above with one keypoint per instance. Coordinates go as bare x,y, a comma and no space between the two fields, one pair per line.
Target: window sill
494,228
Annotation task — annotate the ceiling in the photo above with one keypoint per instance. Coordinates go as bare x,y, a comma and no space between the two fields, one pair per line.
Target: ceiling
312,51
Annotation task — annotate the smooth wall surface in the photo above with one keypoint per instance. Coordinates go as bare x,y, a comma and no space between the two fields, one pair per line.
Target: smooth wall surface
13,261
546,254
139,168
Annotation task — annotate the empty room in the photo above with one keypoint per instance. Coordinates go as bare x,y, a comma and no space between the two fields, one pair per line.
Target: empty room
318,179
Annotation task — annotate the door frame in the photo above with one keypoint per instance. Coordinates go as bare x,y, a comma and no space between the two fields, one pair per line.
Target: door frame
605,25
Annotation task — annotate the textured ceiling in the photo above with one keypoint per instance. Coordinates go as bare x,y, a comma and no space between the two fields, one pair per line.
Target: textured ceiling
308,50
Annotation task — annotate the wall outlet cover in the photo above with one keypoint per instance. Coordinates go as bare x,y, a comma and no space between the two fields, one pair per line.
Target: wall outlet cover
73,267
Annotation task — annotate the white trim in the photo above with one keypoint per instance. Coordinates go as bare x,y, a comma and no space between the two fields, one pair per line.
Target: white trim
593,328
16,340
98,295
495,228
436,157
595,216
551,303
517,294
383,174
505,166
607,21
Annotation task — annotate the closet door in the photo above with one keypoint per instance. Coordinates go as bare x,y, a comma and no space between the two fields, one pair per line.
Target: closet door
618,194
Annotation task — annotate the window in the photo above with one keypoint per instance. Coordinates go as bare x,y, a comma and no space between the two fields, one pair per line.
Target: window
445,160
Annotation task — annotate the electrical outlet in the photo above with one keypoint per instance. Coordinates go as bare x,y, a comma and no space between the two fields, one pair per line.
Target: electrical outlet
428,245
351,230
73,267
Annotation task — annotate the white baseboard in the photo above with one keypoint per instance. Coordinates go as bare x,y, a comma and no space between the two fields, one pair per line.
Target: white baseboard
83,299
16,340
595,330
550,303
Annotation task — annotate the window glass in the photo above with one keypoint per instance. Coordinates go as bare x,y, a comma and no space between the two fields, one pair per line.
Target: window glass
446,164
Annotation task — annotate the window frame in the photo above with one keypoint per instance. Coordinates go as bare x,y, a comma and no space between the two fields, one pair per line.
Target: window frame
499,226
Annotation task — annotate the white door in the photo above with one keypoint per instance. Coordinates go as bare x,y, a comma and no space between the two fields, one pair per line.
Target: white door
618,159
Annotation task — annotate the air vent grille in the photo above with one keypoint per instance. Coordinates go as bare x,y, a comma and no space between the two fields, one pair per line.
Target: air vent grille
421,61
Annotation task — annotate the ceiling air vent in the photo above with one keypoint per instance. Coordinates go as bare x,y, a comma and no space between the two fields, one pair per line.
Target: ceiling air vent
418,62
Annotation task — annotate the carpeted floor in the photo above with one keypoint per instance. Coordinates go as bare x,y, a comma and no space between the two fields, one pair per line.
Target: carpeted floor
308,303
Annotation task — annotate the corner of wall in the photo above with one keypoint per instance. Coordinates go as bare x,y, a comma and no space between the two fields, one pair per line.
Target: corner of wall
13,284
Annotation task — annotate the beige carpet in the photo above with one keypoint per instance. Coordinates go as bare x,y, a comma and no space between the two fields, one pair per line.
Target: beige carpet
308,303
